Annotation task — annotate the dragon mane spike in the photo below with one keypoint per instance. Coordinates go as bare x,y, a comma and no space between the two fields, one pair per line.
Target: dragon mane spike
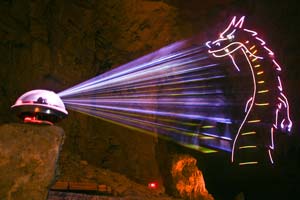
232,23
240,22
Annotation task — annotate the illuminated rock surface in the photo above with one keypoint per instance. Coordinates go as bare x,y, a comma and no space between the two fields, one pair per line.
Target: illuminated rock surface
28,158
188,179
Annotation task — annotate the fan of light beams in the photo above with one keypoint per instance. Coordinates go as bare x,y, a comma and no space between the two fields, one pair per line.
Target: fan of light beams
177,92
180,92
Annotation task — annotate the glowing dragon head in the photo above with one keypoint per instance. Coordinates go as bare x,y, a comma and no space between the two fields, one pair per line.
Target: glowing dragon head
227,43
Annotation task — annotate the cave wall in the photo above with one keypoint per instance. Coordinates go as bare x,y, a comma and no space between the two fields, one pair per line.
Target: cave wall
54,44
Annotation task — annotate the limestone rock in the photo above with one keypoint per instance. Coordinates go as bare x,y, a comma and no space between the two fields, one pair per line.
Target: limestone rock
28,157
188,179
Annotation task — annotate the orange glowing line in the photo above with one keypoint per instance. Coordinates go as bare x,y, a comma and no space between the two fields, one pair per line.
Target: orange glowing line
254,121
254,52
252,47
254,59
260,82
256,66
262,104
263,91
260,72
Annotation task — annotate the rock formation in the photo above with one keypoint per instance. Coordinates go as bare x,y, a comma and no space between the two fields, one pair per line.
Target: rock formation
57,44
28,158
188,179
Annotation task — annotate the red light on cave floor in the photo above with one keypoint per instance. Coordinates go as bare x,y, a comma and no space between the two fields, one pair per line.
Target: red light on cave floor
153,185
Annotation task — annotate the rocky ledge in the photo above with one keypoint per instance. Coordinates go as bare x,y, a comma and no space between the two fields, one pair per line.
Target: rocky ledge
28,158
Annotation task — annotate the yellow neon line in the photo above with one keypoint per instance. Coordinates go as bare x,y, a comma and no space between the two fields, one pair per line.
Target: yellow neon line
200,148
249,133
247,147
138,115
260,82
256,66
187,133
260,72
254,52
248,163
254,59
252,47
262,104
195,147
206,137
208,126
262,91
254,121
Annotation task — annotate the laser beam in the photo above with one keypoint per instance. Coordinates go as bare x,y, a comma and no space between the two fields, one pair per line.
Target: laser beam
200,95
172,92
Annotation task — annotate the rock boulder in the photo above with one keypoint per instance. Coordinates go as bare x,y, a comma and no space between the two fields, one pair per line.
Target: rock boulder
28,157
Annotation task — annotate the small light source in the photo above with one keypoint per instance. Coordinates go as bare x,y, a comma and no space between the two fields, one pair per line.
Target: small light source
153,185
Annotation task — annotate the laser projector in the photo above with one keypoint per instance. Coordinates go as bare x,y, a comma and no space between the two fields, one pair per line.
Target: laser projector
40,107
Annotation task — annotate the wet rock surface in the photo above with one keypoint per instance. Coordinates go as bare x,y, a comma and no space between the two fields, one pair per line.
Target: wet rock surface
28,158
